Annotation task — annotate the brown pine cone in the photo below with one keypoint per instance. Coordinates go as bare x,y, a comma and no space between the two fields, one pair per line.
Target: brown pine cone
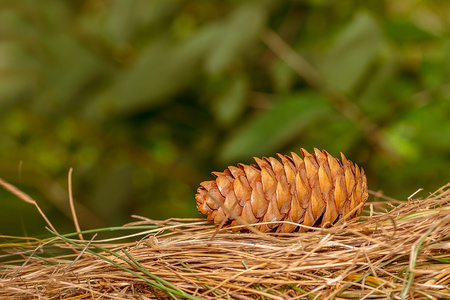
316,191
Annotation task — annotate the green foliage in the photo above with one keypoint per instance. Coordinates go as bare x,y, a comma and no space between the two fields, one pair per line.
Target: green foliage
275,127
351,53
144,98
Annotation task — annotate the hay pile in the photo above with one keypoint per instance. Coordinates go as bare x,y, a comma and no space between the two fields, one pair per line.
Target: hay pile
400,253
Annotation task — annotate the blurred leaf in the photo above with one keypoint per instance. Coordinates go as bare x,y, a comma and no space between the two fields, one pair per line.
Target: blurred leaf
376,85
352,52
162,69
60,87
283,76
405,31
17,74
228,106
335,134
159,72
121,20
238,32
406,148
430,126
126,18
436,69
266,132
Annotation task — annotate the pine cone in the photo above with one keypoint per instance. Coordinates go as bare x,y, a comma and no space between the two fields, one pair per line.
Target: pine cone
316,191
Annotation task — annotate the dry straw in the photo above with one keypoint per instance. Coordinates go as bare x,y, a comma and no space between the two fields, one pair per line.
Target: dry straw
398,250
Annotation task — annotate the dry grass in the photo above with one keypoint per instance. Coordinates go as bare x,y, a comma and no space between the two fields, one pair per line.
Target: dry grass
400,252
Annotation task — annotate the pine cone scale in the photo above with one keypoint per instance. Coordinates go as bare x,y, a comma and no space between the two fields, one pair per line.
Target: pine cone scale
258,202
317,190
324,181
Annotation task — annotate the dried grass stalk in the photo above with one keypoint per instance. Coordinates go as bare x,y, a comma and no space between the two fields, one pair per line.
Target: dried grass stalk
401,253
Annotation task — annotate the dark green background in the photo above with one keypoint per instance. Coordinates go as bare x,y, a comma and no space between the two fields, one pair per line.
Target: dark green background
144,98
